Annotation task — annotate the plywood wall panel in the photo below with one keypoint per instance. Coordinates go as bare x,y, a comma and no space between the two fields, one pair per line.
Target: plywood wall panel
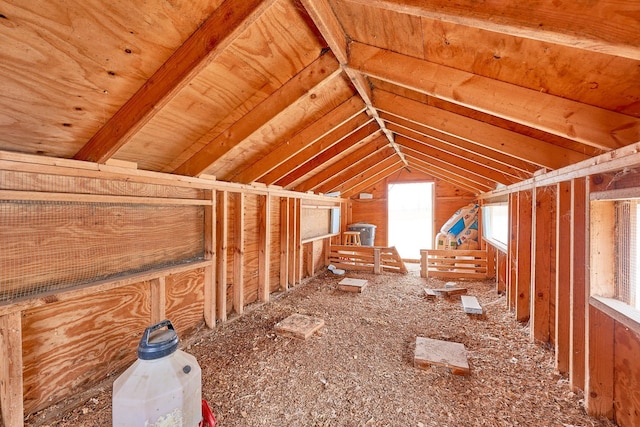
185,300
627,376
71,345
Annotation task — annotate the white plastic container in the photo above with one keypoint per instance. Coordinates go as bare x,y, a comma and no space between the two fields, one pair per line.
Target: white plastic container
163,388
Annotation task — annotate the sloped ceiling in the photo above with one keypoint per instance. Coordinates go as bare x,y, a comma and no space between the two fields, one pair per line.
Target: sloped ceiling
322,95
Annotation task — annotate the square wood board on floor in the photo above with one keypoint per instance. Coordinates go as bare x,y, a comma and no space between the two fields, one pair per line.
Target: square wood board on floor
451,355
352,285
298,326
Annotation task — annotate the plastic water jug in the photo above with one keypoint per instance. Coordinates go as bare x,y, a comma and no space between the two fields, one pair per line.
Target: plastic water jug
163,388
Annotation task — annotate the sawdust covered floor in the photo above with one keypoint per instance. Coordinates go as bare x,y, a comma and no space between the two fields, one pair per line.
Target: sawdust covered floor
358,371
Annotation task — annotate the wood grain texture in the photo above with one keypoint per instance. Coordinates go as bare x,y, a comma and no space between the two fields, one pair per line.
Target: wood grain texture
185,300
627,376
11,377
251,263
75,344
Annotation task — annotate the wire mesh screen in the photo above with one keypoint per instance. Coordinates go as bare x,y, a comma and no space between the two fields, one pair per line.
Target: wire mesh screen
49,246
627,273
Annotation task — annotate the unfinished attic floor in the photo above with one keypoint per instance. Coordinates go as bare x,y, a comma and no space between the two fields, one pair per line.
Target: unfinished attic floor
358,369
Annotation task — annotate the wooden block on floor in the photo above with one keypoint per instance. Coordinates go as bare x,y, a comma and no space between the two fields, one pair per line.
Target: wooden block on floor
352,285
429,294
298,326
470,304
451,355
447,292
450,285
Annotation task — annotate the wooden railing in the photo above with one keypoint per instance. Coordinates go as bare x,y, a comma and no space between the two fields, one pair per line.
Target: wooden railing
455,264
375,259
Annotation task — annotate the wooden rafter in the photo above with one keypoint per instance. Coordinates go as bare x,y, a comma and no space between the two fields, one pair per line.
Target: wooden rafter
425,168
327,23
315,74
221,29
301,164
546,21
518,167
373,178
462,162
325,174
454,169
364,170
505,173
447,175
318,130
569,119
519,146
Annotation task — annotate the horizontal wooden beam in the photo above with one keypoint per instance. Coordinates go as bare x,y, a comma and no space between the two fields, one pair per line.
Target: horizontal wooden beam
569,119
315,74
221,29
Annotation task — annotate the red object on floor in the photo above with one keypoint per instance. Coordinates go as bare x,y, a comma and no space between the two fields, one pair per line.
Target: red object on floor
208,419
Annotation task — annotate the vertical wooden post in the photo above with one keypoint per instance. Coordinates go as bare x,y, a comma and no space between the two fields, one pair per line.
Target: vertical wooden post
308,252
523,285
599,386
579,205
158,299
327,250
210,254
298,226
222,225
512,251
377,266
238,255
264,256
563,262
293,246
544,243
491,265
11,380
284,243
424,272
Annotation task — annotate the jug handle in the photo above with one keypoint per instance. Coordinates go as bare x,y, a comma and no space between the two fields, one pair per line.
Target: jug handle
162,324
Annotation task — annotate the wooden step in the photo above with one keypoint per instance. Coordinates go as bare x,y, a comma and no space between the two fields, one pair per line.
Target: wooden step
352,285
470,304
298,326
450,355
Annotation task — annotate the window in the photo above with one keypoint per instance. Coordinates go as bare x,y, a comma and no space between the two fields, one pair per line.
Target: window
495,224
627,255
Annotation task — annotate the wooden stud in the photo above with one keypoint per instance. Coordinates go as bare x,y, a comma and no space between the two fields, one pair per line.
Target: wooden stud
563,262
158,299
512,251
284,243
523,285
298,241
543,251
222,225
599,379
210,254
293,247
579,195
11,379
264,255
218,32
377,267
238,254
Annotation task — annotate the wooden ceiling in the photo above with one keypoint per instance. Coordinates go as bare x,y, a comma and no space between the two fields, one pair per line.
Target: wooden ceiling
322,95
